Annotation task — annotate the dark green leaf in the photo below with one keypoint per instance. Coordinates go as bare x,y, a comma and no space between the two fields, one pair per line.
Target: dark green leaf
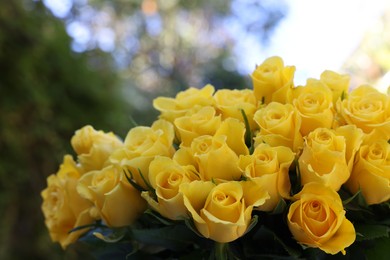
175,237
280,207
380,250
369,232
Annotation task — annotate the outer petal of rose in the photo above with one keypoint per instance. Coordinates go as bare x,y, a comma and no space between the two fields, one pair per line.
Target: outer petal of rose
365,180
343,238
234,130
333,179
122,205
254,195
83,219
195,195
225,231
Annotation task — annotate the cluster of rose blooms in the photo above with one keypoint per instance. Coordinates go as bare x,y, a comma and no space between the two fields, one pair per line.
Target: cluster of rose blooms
195,161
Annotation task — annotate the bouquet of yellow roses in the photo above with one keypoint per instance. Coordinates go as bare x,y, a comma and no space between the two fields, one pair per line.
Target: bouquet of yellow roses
276,171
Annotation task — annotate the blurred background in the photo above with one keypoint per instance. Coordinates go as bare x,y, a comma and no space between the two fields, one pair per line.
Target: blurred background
68,63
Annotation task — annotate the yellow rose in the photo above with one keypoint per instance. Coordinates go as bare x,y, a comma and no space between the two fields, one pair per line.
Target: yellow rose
231,102
165,177
272,81
234,130
315,106
368,109
63,208
222,212
279,126
94,147
117,201
141,145
338,83
268,167
172,108
371,172
215,159
317,219
353,139
324,159
203,122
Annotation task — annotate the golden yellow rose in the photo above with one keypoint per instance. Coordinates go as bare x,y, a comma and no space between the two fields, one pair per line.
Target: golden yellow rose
272,81
315,106
368,109
63,208
371,172
279,126
172,108
94,147
268,167
115,199
203,122
165,177
222,212
323,159
231,102
141,145
317,219
214,158
338,83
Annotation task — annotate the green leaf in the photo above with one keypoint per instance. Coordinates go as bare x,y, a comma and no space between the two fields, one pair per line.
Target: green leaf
93,225
267,234
369,232
150,188
132,122
380,250
252,224
347,201
131,181
116,235
280,207
160,218
174,237
248,132
343,95
190,225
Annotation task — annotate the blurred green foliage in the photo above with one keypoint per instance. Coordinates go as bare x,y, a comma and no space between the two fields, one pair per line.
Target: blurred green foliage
46,93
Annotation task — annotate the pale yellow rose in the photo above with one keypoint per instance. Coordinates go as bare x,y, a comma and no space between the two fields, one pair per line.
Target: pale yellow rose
279,126
115,199
317,219
165,177
268,167
272,81
94,147
231,102
315,106
63,208
371,172
215,159
368,109
141,145
222,212
203,122
172,108
338,83
323,159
